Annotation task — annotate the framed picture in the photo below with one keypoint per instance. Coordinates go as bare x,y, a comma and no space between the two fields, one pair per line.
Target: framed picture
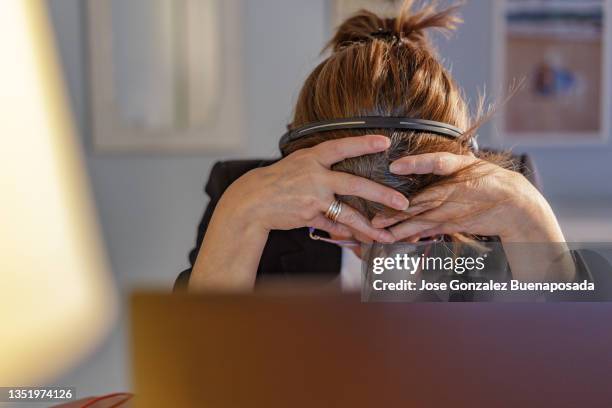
551,69
342,9
166,75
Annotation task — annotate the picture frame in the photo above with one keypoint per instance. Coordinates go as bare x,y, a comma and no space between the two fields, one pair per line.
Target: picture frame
156,120
558,93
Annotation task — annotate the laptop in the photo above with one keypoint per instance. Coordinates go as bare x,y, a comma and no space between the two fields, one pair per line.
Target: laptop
330,350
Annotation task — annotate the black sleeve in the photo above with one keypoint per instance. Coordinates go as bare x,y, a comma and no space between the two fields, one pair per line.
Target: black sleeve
591,267
218,181
222,175
594,267
527,168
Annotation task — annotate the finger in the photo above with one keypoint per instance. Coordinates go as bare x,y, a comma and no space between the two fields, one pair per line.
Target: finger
352,218
416,225
412,228
433,196
384,221
442,220
429,199
351,185
440,163
333,151
416,208
325,224
362,238
411,240
446,228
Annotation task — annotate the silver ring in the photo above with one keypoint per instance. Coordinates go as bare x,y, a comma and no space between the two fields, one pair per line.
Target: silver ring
334,210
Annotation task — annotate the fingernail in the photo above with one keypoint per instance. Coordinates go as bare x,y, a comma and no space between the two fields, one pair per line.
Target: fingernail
400,202
396,168
400,168
386,237
382,143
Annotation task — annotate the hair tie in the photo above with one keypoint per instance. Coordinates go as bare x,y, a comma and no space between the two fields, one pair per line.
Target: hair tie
384,34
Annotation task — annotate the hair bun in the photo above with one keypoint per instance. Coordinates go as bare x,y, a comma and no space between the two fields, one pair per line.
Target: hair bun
408,27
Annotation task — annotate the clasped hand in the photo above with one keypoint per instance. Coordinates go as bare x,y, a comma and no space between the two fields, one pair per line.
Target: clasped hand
297,190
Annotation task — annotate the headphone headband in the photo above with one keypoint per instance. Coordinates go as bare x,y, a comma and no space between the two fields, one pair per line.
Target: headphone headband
374,122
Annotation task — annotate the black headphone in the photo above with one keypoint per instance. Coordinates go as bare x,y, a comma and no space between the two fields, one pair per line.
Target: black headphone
375,122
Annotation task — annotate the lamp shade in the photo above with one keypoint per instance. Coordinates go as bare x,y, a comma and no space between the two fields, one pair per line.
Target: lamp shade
56,296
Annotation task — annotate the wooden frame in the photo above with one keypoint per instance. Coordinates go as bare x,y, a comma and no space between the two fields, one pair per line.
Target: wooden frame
223,129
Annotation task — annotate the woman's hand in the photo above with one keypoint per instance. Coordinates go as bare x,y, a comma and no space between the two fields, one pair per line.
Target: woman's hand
297,191
292,193
492,201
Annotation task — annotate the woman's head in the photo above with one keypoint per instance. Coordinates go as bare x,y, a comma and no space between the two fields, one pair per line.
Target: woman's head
386,67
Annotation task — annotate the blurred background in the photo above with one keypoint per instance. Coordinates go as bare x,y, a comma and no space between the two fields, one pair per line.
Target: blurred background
151,130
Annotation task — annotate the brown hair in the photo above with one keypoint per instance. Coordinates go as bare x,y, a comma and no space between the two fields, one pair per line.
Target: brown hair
388,67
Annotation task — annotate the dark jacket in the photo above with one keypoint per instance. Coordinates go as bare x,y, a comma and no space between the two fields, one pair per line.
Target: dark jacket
289,253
